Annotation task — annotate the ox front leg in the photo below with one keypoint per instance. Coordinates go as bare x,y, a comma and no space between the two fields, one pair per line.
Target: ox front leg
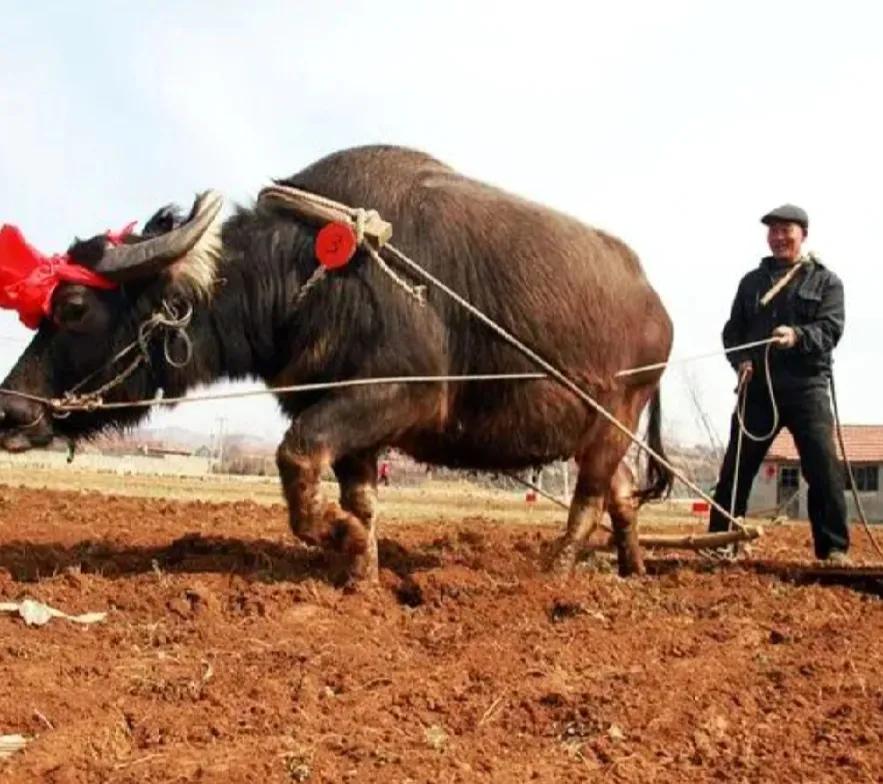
312,518
623,508
357,477
344,431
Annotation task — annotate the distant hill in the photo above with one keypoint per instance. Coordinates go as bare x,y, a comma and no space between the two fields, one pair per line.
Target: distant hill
171,436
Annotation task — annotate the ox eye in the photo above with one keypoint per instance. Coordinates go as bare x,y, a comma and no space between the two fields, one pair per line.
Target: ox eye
71,312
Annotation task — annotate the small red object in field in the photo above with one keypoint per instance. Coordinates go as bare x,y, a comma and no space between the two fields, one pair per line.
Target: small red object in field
699,507
530,497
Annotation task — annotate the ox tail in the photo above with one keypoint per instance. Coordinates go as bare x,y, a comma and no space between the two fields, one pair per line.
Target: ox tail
659,477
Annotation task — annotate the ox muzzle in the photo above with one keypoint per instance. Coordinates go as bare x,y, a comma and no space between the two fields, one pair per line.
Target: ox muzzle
24,423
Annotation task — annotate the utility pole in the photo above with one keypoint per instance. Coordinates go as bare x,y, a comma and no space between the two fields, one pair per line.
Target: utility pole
220,443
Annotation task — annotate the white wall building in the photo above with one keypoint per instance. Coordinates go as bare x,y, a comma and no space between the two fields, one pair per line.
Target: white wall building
780,483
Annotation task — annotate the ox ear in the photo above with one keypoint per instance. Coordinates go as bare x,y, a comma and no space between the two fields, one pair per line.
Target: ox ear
164,220
188,251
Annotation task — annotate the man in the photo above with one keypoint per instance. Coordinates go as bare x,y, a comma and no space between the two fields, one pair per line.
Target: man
385,469
799,302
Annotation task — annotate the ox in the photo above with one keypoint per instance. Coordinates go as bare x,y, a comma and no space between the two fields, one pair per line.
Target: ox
577,296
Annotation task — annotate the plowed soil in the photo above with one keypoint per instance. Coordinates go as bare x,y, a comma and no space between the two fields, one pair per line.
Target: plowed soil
227,655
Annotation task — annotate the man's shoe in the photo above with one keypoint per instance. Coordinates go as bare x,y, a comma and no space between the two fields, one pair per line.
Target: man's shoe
837,558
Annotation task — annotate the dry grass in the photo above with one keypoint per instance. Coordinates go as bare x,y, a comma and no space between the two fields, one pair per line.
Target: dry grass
430,500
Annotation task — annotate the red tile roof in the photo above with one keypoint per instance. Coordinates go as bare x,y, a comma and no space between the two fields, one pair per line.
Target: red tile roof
864,444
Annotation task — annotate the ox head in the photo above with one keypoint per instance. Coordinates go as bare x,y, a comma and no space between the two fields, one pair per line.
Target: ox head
97,299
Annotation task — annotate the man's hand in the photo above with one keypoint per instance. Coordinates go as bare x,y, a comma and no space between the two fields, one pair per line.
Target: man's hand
786,337
746,371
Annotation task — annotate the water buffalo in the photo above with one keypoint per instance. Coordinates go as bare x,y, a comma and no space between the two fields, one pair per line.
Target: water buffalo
575,295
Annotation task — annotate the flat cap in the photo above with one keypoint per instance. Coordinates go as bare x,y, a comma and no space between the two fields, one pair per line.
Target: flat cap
787,213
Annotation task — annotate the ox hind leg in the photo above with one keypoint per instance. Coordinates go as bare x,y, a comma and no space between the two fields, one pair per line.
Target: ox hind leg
586,510
622,506
603,483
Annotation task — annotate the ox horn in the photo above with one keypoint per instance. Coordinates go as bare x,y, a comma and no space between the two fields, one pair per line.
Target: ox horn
142,259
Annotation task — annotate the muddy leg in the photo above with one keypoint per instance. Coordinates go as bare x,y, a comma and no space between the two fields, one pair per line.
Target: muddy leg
357,477
623,509
341,430
312,518
586,510
603,450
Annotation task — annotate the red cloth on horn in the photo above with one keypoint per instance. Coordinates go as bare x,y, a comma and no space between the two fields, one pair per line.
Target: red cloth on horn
28,279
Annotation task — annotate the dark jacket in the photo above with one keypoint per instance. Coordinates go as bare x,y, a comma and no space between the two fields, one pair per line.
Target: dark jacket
812,303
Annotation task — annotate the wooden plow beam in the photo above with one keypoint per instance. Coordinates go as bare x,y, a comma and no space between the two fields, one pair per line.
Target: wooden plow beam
692,542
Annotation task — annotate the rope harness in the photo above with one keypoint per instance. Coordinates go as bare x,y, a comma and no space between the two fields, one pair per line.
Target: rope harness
371,232
167,319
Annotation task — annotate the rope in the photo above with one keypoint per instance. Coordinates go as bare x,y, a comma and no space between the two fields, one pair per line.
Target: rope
91,401
60,404
71,400
743,394
371,231
741,401
270,391
537,489
782,282
859,507
682,360
417,293
730,552
166,318
318,275
72,403
743,430
292,196
560,377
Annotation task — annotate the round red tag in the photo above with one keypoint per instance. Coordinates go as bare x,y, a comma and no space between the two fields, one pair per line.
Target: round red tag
335,245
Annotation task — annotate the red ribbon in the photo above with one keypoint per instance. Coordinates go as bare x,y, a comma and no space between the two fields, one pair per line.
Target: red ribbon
28,279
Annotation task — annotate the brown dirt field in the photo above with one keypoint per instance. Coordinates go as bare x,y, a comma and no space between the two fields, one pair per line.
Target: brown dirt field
227,656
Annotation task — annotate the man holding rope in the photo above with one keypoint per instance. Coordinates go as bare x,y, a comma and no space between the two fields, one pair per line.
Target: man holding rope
799,302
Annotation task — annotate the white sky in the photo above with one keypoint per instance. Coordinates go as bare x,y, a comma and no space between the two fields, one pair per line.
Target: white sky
674,125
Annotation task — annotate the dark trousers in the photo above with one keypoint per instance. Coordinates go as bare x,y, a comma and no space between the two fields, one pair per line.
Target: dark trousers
806,413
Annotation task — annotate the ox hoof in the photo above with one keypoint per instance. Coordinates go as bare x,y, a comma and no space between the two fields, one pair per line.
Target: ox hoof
343,533
563,562
365,567
628,552
631,565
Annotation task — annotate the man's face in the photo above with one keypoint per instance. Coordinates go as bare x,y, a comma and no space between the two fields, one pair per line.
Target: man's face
785,240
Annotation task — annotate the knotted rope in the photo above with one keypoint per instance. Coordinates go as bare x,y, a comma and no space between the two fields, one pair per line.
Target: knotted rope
371,232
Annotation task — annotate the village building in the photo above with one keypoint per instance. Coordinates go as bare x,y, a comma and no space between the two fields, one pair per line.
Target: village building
781,489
